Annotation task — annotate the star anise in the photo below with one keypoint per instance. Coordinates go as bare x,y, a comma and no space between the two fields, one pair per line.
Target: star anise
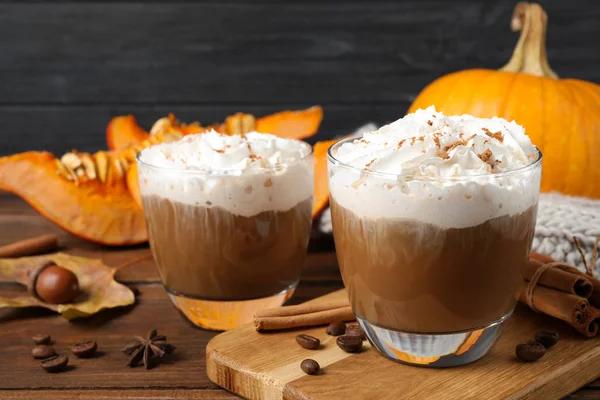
149,350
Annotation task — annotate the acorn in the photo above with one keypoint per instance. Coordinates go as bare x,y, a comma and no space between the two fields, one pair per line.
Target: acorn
53,284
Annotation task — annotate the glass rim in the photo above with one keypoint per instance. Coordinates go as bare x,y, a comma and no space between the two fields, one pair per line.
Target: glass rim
389,175
216,173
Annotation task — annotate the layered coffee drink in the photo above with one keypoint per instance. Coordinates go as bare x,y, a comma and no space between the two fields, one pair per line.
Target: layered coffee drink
433,219
450,279
229,220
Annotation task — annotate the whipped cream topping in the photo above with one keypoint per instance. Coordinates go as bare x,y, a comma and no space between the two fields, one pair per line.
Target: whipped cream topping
231,154
428,143
442,170
244,174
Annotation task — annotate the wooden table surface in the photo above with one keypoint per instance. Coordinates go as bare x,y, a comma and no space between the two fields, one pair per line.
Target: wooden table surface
106,376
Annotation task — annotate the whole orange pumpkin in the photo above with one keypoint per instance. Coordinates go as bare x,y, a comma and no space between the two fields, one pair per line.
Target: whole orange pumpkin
561,116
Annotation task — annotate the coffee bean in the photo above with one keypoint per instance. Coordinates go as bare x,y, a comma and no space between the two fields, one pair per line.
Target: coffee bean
336,328
308,342
547,338
310,367
55,364
530,351
84,349
42,351
41,339
348,343
355,330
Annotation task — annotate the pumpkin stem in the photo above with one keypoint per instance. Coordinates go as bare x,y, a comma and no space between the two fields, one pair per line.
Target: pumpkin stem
529,56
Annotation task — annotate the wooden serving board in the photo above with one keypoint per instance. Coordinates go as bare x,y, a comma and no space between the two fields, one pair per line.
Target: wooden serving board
267,366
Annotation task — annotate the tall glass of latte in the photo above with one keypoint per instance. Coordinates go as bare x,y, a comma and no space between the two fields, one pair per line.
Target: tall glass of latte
229,220
433,219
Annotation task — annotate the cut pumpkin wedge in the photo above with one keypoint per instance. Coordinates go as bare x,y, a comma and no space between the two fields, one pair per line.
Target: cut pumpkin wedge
101,212
133,185
300,124
321,188
124,131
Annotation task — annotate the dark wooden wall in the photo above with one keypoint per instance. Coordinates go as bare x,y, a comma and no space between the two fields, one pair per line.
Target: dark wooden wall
66,67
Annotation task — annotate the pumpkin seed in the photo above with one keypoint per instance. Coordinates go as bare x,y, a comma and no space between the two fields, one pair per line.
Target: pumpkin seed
160,126
102,165
248,123
89,166
116,166
71,161
62,170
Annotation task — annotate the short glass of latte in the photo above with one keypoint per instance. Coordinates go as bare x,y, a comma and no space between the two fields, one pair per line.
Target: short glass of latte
229,221
433,219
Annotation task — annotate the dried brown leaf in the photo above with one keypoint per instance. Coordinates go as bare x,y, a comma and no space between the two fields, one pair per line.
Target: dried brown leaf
99,290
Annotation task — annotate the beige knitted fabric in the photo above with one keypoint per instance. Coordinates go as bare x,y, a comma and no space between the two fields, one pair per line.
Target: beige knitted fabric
559,219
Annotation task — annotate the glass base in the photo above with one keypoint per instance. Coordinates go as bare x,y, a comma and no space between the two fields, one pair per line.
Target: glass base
225,315
433,350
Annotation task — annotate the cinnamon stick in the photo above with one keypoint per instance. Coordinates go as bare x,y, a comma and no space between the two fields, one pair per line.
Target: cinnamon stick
544,259
570,308
29,247
559,278
594,298
301,309
302,315
591,324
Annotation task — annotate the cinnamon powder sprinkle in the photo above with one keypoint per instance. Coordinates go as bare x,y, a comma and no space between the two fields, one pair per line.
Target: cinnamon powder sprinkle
412,140
219,151
400,143
496,135
486,156
429,123
370,163
421,138
444,156
359,182
463,142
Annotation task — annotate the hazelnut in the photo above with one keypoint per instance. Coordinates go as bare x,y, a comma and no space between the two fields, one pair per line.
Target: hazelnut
53,284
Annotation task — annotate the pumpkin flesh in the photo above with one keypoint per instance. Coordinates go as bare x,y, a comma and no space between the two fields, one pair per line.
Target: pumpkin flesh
99,212
133,185
124,131
292,124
